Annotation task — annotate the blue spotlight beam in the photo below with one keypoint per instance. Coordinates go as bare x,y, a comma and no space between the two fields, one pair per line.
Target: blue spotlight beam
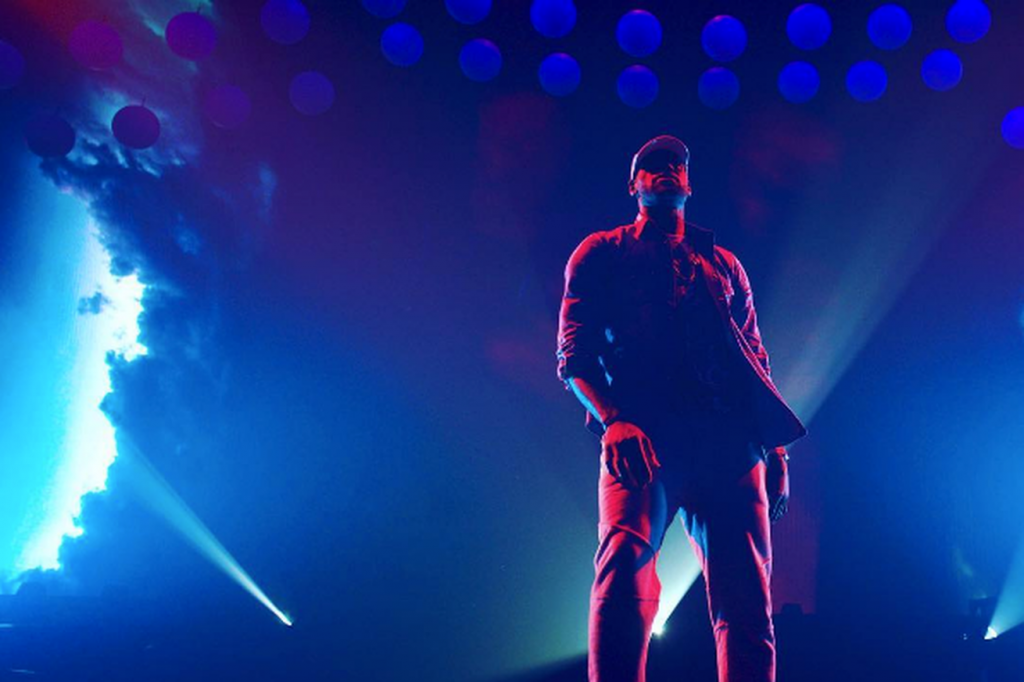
157,494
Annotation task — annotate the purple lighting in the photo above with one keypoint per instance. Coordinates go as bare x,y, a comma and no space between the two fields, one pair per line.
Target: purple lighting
228,106
12,66
191,36
311,93
95,45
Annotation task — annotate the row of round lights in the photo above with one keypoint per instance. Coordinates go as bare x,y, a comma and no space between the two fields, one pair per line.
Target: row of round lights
96,45
723,38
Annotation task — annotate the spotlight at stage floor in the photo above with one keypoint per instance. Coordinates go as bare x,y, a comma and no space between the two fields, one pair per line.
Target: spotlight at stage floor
678,569
156,493
1008,611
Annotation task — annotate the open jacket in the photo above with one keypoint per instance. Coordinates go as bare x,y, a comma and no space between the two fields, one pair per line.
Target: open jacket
618,285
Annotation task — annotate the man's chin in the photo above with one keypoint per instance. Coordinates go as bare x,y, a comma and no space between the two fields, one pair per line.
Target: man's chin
667,199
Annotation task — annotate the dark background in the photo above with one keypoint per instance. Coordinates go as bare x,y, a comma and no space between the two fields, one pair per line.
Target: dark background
353,383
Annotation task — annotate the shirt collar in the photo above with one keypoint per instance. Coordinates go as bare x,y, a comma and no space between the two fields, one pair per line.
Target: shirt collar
701,239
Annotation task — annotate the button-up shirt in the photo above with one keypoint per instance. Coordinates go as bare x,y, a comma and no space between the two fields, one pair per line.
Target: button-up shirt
661,326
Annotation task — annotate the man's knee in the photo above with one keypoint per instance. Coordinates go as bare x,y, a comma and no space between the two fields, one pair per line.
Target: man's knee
625,568
751,623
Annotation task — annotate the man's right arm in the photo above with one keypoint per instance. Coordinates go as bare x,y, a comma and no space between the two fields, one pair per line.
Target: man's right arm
580,327
626,451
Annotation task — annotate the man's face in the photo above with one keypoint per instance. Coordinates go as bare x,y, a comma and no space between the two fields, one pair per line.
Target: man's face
662,179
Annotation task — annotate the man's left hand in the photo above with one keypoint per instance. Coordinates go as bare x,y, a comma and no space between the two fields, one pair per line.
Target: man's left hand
777,483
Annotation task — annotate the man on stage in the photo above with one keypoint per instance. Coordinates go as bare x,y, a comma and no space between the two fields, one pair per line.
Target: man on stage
658,339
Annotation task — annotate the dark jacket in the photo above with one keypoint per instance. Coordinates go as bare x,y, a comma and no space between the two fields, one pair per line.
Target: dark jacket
618,286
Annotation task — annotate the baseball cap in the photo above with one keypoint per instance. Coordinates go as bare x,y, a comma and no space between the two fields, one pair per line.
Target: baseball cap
661,142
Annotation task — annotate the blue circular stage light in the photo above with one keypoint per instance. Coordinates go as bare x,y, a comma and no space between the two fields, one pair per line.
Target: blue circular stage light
49,136
724,38
942,70
799,82
553,18
191,36
809,26
1013,128
480,60
285,21
559,74
718,88
136,126
968,20
637,86
468,11
401,44
384,9
889,27
12,66
311,93
866,81
639,33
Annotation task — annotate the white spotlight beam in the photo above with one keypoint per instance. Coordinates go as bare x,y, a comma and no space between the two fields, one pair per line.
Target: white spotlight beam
158,495
678,570
1009,611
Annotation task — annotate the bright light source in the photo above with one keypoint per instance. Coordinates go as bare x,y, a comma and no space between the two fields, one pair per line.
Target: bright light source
103,317
157,493
991,633
678,568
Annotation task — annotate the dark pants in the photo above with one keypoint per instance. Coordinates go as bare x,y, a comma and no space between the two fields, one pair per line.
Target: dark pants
714,475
